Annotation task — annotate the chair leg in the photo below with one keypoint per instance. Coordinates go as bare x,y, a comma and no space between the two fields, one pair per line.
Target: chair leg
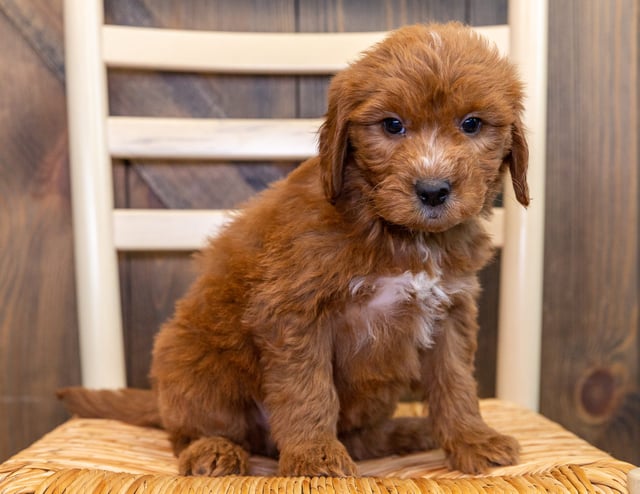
633,479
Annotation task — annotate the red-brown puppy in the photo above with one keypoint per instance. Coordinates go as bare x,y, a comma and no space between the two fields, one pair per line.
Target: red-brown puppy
350,280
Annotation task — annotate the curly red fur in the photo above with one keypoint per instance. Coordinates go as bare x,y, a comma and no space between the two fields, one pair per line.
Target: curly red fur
339,287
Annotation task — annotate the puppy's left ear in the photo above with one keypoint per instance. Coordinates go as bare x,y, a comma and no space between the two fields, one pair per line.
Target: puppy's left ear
334,141
518,161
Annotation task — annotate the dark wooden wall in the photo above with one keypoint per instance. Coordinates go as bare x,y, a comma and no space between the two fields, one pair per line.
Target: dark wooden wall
590,372
38,339
590,348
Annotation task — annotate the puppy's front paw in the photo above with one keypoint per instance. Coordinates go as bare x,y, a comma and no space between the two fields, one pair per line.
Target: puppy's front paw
213,457
482,452
327,458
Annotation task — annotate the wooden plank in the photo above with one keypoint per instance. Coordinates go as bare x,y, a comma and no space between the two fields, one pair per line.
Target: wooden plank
216,139
371,15
168,230
38,329
487,12
235,53
40,25
98,291
244,53
520,314
590,359
241,15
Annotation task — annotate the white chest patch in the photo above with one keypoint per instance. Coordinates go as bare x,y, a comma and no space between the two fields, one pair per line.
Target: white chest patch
416,302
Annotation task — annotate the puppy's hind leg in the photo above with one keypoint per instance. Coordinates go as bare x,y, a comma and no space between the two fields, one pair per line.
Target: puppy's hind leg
208,441
396,436
226,453
204,404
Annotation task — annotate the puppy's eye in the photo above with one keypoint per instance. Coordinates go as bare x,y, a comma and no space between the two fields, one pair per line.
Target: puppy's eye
471,125
393,126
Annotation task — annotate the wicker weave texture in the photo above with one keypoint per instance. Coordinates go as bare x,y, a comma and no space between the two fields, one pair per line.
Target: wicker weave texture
89,455
570,478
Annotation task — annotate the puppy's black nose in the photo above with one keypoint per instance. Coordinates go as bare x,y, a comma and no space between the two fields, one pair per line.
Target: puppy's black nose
433,192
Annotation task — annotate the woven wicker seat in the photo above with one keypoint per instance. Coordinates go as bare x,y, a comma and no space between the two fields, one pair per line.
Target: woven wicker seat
95,455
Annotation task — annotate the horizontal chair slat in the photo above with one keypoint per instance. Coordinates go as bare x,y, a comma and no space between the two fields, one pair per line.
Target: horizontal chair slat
166,229
231,52
179,230
245,53
217,139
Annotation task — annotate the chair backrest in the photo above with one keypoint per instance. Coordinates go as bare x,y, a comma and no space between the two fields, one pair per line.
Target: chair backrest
96,138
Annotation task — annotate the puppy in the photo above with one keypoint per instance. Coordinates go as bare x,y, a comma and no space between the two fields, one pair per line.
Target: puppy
351,280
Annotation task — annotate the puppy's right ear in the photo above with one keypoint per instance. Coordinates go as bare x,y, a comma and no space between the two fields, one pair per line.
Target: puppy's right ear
334,141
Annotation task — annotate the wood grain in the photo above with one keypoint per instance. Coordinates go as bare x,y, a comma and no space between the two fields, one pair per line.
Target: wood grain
590,352
38,335
39,24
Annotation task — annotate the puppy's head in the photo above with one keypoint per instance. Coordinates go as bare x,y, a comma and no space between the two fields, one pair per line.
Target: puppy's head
427,122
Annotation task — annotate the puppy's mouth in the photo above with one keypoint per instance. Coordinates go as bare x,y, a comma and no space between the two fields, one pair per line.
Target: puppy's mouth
435,219
433,213
429,206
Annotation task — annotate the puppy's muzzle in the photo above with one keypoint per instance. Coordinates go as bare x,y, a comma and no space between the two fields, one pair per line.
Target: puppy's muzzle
433,192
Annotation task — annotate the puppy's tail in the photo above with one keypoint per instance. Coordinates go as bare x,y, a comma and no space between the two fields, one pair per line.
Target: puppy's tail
134,406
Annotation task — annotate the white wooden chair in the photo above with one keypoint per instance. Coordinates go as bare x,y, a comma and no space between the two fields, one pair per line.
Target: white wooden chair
101,230
96,138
